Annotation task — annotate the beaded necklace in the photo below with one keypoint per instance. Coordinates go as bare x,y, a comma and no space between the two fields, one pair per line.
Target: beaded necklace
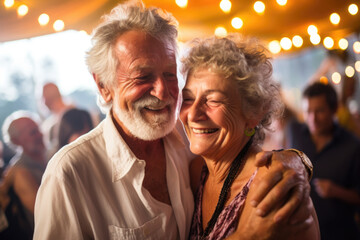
233,172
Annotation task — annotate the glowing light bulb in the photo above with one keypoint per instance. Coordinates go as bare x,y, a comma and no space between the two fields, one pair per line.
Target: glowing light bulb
285,43
59,25
274,47
237,23
357,66
343,43
312,29
220,32
259,7
43,19
353,9
356,47
336,78
324,80
181,3
9,3
335,18
349,71
225,6
297,41
328,42
315,39
281,2
22,10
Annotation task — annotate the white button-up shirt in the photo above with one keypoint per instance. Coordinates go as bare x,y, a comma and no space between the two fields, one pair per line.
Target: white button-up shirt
92,189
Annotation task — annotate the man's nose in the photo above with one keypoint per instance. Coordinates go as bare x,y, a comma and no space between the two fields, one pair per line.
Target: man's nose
160,88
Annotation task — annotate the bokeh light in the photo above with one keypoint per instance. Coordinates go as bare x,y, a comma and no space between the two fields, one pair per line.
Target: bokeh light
357,66
274,46
336,78
259,7
353,9
43,19
181,3
324,80
225,6
281,2
343,44
220,32
349,71
237,23
335,18
59,25
8,3
312,29
297,41
285,43
356,47
22,10
328,42
315,39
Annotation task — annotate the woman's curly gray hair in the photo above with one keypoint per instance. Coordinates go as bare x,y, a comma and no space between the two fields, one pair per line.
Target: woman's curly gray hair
131,15
244,60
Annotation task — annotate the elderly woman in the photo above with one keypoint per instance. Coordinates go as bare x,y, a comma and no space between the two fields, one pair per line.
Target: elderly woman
228,100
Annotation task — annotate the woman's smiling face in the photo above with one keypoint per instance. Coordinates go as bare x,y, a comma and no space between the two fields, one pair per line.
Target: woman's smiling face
211,113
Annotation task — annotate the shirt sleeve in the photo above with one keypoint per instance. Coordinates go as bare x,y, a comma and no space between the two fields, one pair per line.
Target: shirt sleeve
56,215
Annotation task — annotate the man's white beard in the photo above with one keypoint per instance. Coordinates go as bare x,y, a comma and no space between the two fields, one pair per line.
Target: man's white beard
158,126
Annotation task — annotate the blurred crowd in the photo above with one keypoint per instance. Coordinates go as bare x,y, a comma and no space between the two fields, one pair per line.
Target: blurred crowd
33,142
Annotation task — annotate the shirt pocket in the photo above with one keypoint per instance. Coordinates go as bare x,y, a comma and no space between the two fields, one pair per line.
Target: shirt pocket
151,230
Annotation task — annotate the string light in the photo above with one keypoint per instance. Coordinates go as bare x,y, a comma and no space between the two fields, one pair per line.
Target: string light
220,32
324,80
349,71
225,6
356,47
297,41
237,23
9,3
343,44
336,78
312,29
328,42
285,43
353,9
259,7
59,25
43,19
335,18
281,2
181,3
274,46
357,66
22,10
315,39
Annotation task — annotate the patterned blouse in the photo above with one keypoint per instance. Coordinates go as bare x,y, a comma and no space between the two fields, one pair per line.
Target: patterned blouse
228,219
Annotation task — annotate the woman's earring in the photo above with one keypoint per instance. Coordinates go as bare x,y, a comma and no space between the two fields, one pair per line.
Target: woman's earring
249,132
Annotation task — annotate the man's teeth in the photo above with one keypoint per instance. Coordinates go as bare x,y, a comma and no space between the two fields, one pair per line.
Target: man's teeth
203,130
155,108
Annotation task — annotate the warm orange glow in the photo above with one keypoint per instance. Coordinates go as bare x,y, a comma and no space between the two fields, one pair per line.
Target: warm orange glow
281,2
285,43
324,80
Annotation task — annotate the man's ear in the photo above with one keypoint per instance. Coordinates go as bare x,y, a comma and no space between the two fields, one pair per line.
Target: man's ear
103,90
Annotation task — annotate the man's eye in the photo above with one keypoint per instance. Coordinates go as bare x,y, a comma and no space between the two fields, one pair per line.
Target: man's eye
214,103
170,76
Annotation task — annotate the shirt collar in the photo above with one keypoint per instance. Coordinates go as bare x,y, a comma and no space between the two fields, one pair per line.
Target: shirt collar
121,156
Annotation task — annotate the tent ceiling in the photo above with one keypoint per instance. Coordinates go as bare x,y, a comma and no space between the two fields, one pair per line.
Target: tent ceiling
199,19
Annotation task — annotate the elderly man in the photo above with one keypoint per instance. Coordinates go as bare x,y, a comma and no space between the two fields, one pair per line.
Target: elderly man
128,178
23,175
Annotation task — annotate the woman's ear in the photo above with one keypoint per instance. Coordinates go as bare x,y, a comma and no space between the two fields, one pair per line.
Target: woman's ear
103,90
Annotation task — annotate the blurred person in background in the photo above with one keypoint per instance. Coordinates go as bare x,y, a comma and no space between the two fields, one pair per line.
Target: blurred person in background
22,177
56,104
335,153
74,123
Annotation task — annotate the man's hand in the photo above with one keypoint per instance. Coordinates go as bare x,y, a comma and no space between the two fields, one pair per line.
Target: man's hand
282,178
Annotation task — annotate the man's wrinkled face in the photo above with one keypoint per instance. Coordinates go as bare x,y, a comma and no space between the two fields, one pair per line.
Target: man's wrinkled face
145,99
